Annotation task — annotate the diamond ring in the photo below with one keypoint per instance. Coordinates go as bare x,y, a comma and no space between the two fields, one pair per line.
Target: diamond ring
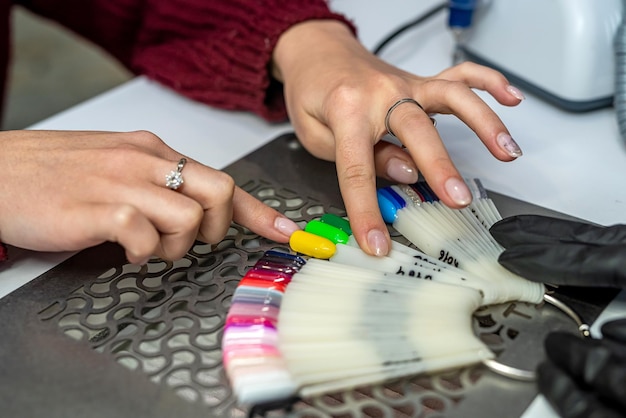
174,179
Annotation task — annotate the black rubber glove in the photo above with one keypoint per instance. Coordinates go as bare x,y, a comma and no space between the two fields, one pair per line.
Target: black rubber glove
586,377
562,252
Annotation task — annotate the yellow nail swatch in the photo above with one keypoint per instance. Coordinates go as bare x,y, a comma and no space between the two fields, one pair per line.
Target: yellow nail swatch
312,245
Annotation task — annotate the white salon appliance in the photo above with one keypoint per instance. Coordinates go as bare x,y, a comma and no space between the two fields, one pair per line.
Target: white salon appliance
560,50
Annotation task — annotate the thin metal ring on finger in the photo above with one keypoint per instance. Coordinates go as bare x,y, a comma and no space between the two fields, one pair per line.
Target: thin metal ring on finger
398,103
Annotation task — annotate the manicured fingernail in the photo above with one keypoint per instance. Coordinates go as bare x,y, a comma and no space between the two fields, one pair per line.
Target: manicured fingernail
458,191
286,226
377,242
401,171
515,92
509,145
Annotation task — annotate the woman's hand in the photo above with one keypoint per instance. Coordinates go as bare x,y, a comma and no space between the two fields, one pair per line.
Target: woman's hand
338,95
65,191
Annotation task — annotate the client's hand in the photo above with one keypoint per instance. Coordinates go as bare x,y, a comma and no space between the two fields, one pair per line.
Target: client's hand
65,191
339,97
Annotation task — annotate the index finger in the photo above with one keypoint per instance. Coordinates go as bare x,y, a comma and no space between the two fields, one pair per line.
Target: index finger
260,218
356,174
223,202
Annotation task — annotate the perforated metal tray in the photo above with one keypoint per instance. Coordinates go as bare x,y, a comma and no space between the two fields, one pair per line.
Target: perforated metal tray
97,337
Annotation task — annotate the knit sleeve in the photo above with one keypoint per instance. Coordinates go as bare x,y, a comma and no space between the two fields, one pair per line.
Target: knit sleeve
215,51
220,55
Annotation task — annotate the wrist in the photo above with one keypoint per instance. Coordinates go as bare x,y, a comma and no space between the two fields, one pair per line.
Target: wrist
310,40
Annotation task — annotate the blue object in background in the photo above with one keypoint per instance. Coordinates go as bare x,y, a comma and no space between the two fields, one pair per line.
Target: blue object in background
461,12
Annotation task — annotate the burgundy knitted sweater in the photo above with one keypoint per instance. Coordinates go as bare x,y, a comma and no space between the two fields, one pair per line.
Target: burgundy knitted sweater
213,51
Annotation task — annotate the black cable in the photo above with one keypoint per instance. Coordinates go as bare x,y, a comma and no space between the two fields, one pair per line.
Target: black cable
409,25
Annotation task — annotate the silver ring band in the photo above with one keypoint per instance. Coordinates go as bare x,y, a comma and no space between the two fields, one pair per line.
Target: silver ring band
174,179
398,103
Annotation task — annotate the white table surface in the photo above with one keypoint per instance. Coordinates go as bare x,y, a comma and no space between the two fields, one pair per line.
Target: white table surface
572,163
